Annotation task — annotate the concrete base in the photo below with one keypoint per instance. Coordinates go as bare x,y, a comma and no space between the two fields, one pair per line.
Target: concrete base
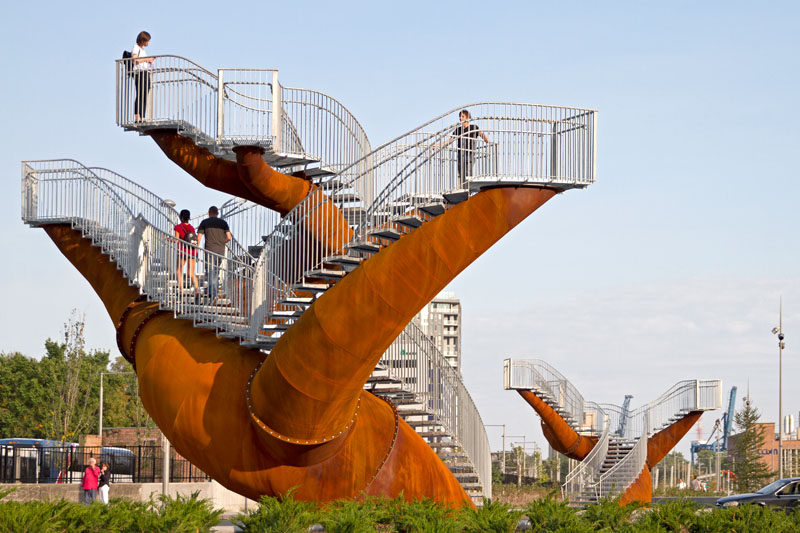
220,497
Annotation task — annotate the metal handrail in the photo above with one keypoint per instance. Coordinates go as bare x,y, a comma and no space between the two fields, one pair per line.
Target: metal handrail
540,377
415,361
239,106
114,218
587,471
625,472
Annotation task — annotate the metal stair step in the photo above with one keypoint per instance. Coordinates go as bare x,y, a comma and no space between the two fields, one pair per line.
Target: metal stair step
386,233
364,246
456,196
433,209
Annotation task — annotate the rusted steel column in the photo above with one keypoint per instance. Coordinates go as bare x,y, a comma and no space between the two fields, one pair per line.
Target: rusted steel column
308,388
558,433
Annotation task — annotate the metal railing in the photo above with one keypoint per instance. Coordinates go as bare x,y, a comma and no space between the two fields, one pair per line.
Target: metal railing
624,473
65,464
527,144
414,360
115,219
544,380
238,106
585,474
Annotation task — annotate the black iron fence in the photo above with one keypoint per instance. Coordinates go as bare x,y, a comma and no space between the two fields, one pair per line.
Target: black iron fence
65,464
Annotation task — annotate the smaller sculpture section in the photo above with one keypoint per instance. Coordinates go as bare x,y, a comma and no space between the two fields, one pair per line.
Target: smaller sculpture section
617,447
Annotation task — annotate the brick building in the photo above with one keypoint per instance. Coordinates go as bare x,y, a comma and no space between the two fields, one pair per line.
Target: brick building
769,452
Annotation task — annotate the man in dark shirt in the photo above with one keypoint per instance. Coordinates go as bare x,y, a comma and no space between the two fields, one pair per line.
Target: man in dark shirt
466,137
217,234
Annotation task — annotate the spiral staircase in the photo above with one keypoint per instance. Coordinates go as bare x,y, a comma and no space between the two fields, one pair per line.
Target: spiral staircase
366,199
618,458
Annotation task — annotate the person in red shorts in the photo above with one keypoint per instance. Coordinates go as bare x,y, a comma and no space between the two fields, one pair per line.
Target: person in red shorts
187,253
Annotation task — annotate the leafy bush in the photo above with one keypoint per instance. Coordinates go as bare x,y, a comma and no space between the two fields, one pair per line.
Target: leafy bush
493,516
285,515
347,516
677,515
174,515
609,515
747,518
550,514
424,516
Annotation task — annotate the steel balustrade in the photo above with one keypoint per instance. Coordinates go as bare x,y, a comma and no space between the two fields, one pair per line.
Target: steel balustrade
415,361
625,472
586,472
547,382
237,106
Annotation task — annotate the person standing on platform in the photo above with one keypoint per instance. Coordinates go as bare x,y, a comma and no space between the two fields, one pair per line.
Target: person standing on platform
466,137
141,75
217,234
91,476
103,482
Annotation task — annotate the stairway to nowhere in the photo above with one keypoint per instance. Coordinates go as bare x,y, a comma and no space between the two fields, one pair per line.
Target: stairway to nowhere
618,457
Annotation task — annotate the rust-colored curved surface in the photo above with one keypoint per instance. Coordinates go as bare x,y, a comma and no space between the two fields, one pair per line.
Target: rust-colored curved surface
250,177
641,490
558,433
660,444
310,387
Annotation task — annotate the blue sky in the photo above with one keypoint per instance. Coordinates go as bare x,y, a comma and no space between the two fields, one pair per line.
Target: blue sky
669,267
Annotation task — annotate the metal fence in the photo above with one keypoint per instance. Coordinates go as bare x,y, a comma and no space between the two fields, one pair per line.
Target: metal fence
415,360
540,377
65,464
238,106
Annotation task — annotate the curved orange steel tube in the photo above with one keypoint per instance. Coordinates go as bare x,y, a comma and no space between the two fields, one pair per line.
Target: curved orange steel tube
558,433
310,424
250,177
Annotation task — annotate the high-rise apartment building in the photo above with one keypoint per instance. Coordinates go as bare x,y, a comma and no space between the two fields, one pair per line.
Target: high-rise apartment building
440,320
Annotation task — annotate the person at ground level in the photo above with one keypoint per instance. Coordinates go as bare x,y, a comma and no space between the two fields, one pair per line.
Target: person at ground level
681,484
141,74
696,485
217,234
103,482
187,253
89,482
466,136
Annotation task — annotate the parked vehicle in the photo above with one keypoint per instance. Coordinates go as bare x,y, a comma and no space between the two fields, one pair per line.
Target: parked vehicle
784,493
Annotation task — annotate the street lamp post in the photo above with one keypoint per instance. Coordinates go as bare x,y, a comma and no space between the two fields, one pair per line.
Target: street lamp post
100,415
503,461
781,345
519,472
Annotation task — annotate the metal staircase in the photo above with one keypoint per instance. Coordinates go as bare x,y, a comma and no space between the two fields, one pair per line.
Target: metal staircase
367,199
618,457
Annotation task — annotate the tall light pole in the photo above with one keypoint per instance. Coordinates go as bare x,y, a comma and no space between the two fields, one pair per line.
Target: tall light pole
100,416
503,463
779,331
519,472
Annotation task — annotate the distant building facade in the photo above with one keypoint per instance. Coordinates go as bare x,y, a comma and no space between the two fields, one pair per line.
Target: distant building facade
769,452
440,320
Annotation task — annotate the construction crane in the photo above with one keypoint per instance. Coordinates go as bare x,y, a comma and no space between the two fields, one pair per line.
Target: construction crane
727,424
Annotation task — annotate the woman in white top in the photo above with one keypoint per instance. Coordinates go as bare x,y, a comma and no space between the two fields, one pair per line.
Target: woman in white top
141,74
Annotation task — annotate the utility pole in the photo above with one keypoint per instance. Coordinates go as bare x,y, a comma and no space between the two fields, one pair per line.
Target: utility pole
503,460
781,346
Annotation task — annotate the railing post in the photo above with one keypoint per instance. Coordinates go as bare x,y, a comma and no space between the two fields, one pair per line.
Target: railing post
220,103
277,111
554,152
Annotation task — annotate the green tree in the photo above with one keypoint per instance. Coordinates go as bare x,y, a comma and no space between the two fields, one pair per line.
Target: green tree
23,393
74,377
750,471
